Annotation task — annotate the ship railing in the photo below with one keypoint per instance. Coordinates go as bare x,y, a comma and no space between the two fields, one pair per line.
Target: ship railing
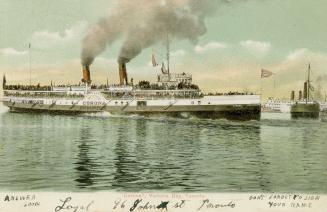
153,94
154,97
46,95
150,91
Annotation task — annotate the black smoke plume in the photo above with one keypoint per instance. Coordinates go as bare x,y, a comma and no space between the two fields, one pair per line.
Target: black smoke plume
143,23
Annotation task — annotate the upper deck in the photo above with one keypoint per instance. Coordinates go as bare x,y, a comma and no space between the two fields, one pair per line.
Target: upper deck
114,92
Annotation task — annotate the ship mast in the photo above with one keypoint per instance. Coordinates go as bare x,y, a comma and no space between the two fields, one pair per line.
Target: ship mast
29,62
168,56
308,83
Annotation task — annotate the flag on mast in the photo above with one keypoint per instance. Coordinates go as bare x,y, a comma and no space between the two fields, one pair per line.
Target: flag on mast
265,73
154,62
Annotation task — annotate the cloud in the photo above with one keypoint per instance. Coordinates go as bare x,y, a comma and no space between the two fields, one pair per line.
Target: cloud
12,52
298,54
46,39
69,71
178,53
305,56
291,71
256,46
209,46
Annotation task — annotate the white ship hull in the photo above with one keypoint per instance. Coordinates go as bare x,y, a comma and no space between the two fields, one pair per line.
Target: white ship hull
230,107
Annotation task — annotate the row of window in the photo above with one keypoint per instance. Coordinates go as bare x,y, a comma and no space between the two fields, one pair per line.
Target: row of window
199,103
144,103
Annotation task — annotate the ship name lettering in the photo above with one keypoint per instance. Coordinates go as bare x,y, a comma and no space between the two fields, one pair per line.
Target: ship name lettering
93,103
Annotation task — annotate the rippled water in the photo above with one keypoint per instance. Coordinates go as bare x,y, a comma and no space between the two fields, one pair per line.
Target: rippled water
103,152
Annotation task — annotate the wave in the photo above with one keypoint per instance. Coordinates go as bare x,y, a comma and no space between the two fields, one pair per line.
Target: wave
275,116
105,114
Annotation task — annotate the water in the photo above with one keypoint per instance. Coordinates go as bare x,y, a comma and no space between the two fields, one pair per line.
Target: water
102,152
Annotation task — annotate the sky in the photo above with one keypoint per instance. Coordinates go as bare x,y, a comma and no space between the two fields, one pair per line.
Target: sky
242,37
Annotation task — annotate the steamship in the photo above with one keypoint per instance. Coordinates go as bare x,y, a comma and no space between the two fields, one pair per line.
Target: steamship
307,107
277,105
173,94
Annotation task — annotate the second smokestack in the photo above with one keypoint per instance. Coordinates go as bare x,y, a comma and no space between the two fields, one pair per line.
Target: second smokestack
86,74
305,91
292,95
123,74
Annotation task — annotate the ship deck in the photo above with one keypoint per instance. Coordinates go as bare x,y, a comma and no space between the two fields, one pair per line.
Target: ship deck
224,106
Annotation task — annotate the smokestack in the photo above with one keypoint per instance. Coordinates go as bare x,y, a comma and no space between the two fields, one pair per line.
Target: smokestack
305,90
123,73
293,95
300,95
86,74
